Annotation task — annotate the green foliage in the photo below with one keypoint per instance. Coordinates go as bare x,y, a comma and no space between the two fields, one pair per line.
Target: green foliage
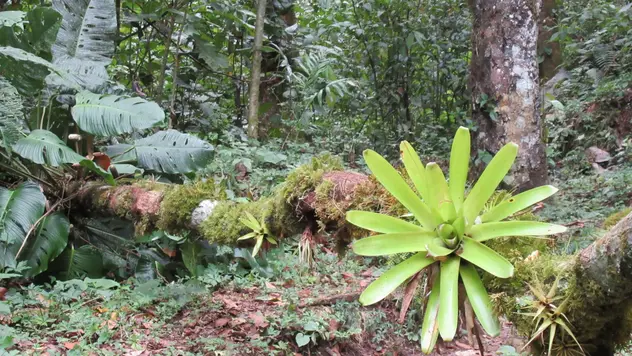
180,201
44,147
260,232
12,116
450,235
111,115
49,240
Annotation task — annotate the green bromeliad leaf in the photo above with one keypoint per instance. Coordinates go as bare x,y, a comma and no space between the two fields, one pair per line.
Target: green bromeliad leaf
393,278
395,184
479,299
488,182
449,298
388,244
430,326
459,166
441,199
380,223
436,248
485,258
415,169
486,231
518,203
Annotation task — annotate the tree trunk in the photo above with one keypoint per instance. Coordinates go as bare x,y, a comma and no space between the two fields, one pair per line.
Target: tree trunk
550,52
255,73
597,282
505,85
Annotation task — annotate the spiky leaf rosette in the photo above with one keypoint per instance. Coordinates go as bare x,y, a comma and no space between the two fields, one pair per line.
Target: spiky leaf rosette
450,232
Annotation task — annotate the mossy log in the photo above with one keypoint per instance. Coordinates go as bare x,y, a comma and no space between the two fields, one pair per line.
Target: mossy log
597,282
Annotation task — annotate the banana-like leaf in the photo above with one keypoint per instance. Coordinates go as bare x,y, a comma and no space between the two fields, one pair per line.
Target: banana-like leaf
111,115
44,147
11,115
19,210
85,43
488,181
430,325
393,278
485,258
26,71
85,261
395,184
37,36
449,298
518,203
436,248
49,240
167,151
486,231
441,194
479,299
389,244
459,166
415,169
380,223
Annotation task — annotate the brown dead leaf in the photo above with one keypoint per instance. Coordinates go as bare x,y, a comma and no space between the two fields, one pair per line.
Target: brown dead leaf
102,309
220,323
237,321
70,345
411,288
258,319
333,327
112,324
270,285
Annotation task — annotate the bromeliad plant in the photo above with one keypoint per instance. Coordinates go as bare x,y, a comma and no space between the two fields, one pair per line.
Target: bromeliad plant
259,232
450,233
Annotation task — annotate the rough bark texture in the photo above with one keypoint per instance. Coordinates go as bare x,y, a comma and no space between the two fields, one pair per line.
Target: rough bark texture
504,78
551,52
255,73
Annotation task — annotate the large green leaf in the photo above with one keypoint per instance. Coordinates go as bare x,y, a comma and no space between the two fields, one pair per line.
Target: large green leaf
459,166
485,258
430,325
380,223
166,152
12,18
111,115
389,244
518,203
449,298
44,147
395,184
85,42
488,181
479,299
11,115
24,70
486,231
73,263
441,199
38,34
393,278
50,239
19,211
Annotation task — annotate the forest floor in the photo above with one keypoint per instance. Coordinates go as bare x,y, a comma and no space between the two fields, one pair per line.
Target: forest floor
233,309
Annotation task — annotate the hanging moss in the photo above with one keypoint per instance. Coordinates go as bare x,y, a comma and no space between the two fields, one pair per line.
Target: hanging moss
180,201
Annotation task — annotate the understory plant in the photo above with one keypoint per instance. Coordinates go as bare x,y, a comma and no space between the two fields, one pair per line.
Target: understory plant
259,232
450,234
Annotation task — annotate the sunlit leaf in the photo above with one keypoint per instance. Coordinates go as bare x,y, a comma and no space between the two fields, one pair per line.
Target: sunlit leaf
389,244
486,231
449,298
393,278
436,248
459,165
488,181
485,258
518,203
395,184
430,326
380,223
415,169
440,193
479,299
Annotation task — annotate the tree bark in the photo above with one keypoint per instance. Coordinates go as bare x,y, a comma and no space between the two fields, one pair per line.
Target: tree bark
505,85
255,73
550,52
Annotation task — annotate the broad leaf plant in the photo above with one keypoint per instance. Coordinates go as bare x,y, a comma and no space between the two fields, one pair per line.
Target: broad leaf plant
450,234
